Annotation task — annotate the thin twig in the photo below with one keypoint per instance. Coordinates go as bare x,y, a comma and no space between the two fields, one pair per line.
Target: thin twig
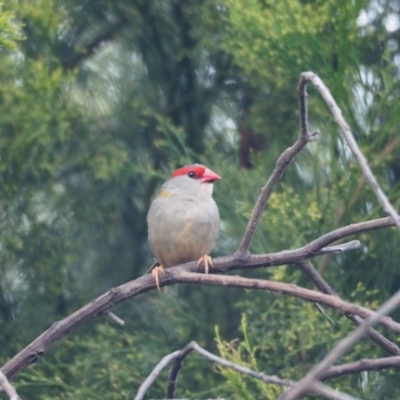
323,286
174,371
8,388
152,266
179,356
115,318
303,109
154,374
322,311
330,393
239,368
344,127
282,288
361,365
339,349
281,164
340,248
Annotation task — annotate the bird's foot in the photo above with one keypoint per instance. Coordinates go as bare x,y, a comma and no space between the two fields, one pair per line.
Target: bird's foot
207,260
155,274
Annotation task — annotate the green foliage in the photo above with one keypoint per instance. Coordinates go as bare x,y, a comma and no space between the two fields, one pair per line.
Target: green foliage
10,32
83,365
272,35
244,353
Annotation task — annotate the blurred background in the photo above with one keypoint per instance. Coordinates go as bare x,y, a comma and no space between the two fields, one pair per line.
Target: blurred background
101,100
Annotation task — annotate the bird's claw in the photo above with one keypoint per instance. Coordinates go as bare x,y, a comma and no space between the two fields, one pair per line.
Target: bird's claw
207,260
155,274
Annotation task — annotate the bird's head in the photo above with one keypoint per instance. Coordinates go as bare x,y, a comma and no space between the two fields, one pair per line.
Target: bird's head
194,178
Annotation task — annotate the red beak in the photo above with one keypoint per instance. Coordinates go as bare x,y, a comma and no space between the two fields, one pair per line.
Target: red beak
209,176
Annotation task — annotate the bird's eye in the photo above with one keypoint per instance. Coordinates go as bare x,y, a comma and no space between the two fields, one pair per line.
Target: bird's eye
191,174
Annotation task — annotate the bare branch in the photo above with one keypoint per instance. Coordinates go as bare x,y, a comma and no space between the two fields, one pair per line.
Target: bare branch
282,288
280,166
8,388
322,311
303,110
348,230
174,371
361,365
340,248
143,284
180,355
323,286
330,393
144,387
338,350
244,370
115,318
344,127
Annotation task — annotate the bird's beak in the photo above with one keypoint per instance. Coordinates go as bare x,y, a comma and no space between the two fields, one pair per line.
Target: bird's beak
209,176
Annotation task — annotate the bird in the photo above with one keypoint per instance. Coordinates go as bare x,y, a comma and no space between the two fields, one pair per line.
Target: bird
183,220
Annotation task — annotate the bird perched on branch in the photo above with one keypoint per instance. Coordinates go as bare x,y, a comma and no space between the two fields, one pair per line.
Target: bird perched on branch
183,220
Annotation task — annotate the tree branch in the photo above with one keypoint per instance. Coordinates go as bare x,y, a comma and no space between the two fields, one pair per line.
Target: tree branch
8,388
323,286
144,387
330,393
338,350
280,166
180,355
144,284
282,288
361,365
344,127
283,161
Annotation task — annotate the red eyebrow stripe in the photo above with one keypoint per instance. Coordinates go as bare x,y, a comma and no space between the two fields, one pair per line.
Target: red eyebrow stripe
197,169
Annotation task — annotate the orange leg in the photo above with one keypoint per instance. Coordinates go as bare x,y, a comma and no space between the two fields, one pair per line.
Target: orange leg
155,274
207,260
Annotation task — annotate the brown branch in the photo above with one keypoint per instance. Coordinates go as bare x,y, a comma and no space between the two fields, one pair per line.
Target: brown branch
174,371
283,161
101,304
361,365
303,110
280,166
282,288
180,355
144,387
193,346
338,350
344,127
330,393
323,286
